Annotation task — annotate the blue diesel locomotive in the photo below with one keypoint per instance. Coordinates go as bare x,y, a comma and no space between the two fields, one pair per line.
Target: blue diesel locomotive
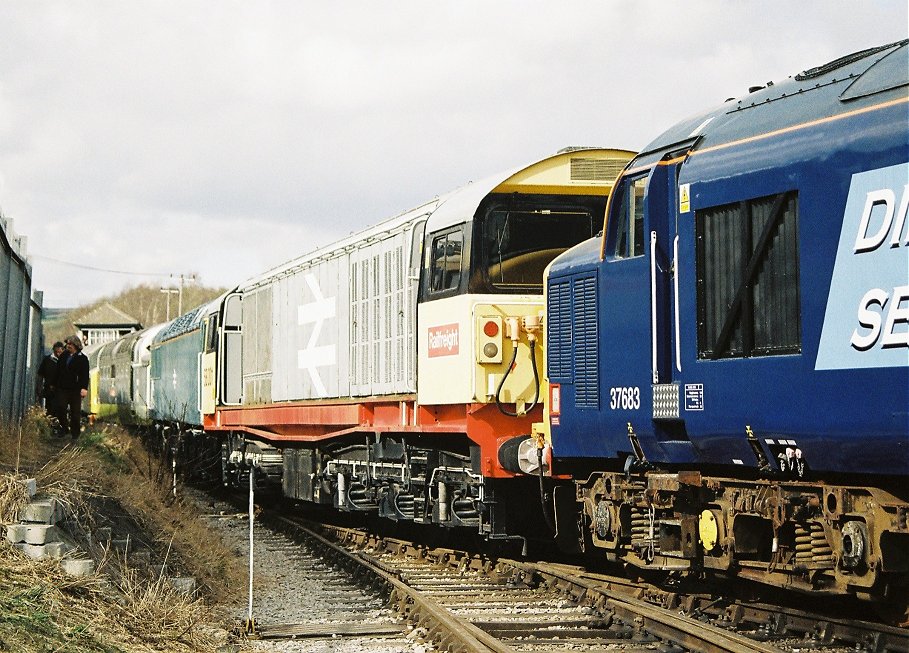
729,363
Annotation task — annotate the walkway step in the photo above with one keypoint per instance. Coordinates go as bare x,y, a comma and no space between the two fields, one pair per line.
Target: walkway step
46,511
78,567
42,551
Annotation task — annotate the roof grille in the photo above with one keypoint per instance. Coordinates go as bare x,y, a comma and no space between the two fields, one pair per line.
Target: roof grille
587,169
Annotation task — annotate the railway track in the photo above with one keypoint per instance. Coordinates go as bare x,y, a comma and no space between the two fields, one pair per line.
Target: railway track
385,594
471,603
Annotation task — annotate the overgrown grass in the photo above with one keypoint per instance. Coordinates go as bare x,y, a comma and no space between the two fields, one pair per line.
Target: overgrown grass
43,609
145,489
121,609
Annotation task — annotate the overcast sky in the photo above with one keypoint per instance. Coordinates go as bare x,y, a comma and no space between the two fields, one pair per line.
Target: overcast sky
222,138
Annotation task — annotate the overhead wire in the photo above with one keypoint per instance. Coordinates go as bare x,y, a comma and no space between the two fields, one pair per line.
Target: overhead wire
97,269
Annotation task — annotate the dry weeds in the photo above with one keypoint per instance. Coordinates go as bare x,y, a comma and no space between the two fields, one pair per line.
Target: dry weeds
121,609
43,609
13,496
145,489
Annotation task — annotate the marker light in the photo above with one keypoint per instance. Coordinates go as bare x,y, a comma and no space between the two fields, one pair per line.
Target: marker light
489,339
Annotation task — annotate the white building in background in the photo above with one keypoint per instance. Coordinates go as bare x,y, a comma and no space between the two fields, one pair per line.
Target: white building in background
105,324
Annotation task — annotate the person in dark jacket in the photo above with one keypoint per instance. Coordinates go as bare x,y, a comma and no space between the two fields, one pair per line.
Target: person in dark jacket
72,386
48,373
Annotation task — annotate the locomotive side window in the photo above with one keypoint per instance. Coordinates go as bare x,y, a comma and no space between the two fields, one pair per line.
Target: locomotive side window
629,240
446,261
748,278
211,332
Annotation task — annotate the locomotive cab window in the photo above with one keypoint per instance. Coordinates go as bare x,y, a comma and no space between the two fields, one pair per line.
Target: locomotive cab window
211,333
446,261
629,234
748,278
515,240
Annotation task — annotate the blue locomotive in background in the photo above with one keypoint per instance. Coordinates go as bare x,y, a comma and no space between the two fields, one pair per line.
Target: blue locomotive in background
729,363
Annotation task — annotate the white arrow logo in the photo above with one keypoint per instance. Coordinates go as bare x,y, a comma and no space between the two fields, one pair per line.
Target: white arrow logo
316,313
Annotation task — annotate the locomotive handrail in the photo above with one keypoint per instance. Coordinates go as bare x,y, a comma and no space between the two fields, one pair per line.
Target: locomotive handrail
678,339
653,316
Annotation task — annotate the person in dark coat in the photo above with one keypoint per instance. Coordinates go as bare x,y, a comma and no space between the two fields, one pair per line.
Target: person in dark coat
47,371
72,386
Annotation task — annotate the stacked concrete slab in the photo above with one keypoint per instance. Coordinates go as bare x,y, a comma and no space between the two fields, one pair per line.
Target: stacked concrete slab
38,536
41,533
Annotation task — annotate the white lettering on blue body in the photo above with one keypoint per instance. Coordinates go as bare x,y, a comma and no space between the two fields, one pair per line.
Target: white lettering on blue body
866,323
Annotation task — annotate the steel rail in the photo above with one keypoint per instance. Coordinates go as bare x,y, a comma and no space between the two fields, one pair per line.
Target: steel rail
656,611
679,629
449,632
692,634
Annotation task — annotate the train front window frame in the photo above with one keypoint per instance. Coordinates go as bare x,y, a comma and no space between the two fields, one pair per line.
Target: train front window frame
514,241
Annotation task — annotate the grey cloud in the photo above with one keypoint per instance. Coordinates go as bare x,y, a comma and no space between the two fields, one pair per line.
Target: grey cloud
183,125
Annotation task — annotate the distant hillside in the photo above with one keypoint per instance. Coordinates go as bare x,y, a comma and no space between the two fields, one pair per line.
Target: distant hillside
145,303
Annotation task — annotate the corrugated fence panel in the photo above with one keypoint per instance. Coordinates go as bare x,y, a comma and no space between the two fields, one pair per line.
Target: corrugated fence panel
16,379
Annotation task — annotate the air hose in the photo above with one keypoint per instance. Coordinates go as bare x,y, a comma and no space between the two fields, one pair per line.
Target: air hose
536,382
543,502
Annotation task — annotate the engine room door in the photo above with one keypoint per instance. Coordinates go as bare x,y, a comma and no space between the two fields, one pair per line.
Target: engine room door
230,359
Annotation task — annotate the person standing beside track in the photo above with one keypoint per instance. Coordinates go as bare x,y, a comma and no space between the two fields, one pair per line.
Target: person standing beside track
72,387
48,373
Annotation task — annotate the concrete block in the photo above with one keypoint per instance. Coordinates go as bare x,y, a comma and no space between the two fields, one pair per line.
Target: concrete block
81,567
183,584
46,511
123,546
31,486
41,551
31,550
15,533
140,559
41,534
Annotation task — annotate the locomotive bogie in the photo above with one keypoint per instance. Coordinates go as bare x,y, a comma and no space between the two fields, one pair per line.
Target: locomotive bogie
390,478
810,536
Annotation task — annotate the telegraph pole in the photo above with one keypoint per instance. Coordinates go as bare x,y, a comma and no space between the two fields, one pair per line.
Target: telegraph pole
168,292
183,279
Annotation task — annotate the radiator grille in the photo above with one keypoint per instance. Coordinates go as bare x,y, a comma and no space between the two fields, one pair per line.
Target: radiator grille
586,358
585,169
558,338
572,354
666,401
